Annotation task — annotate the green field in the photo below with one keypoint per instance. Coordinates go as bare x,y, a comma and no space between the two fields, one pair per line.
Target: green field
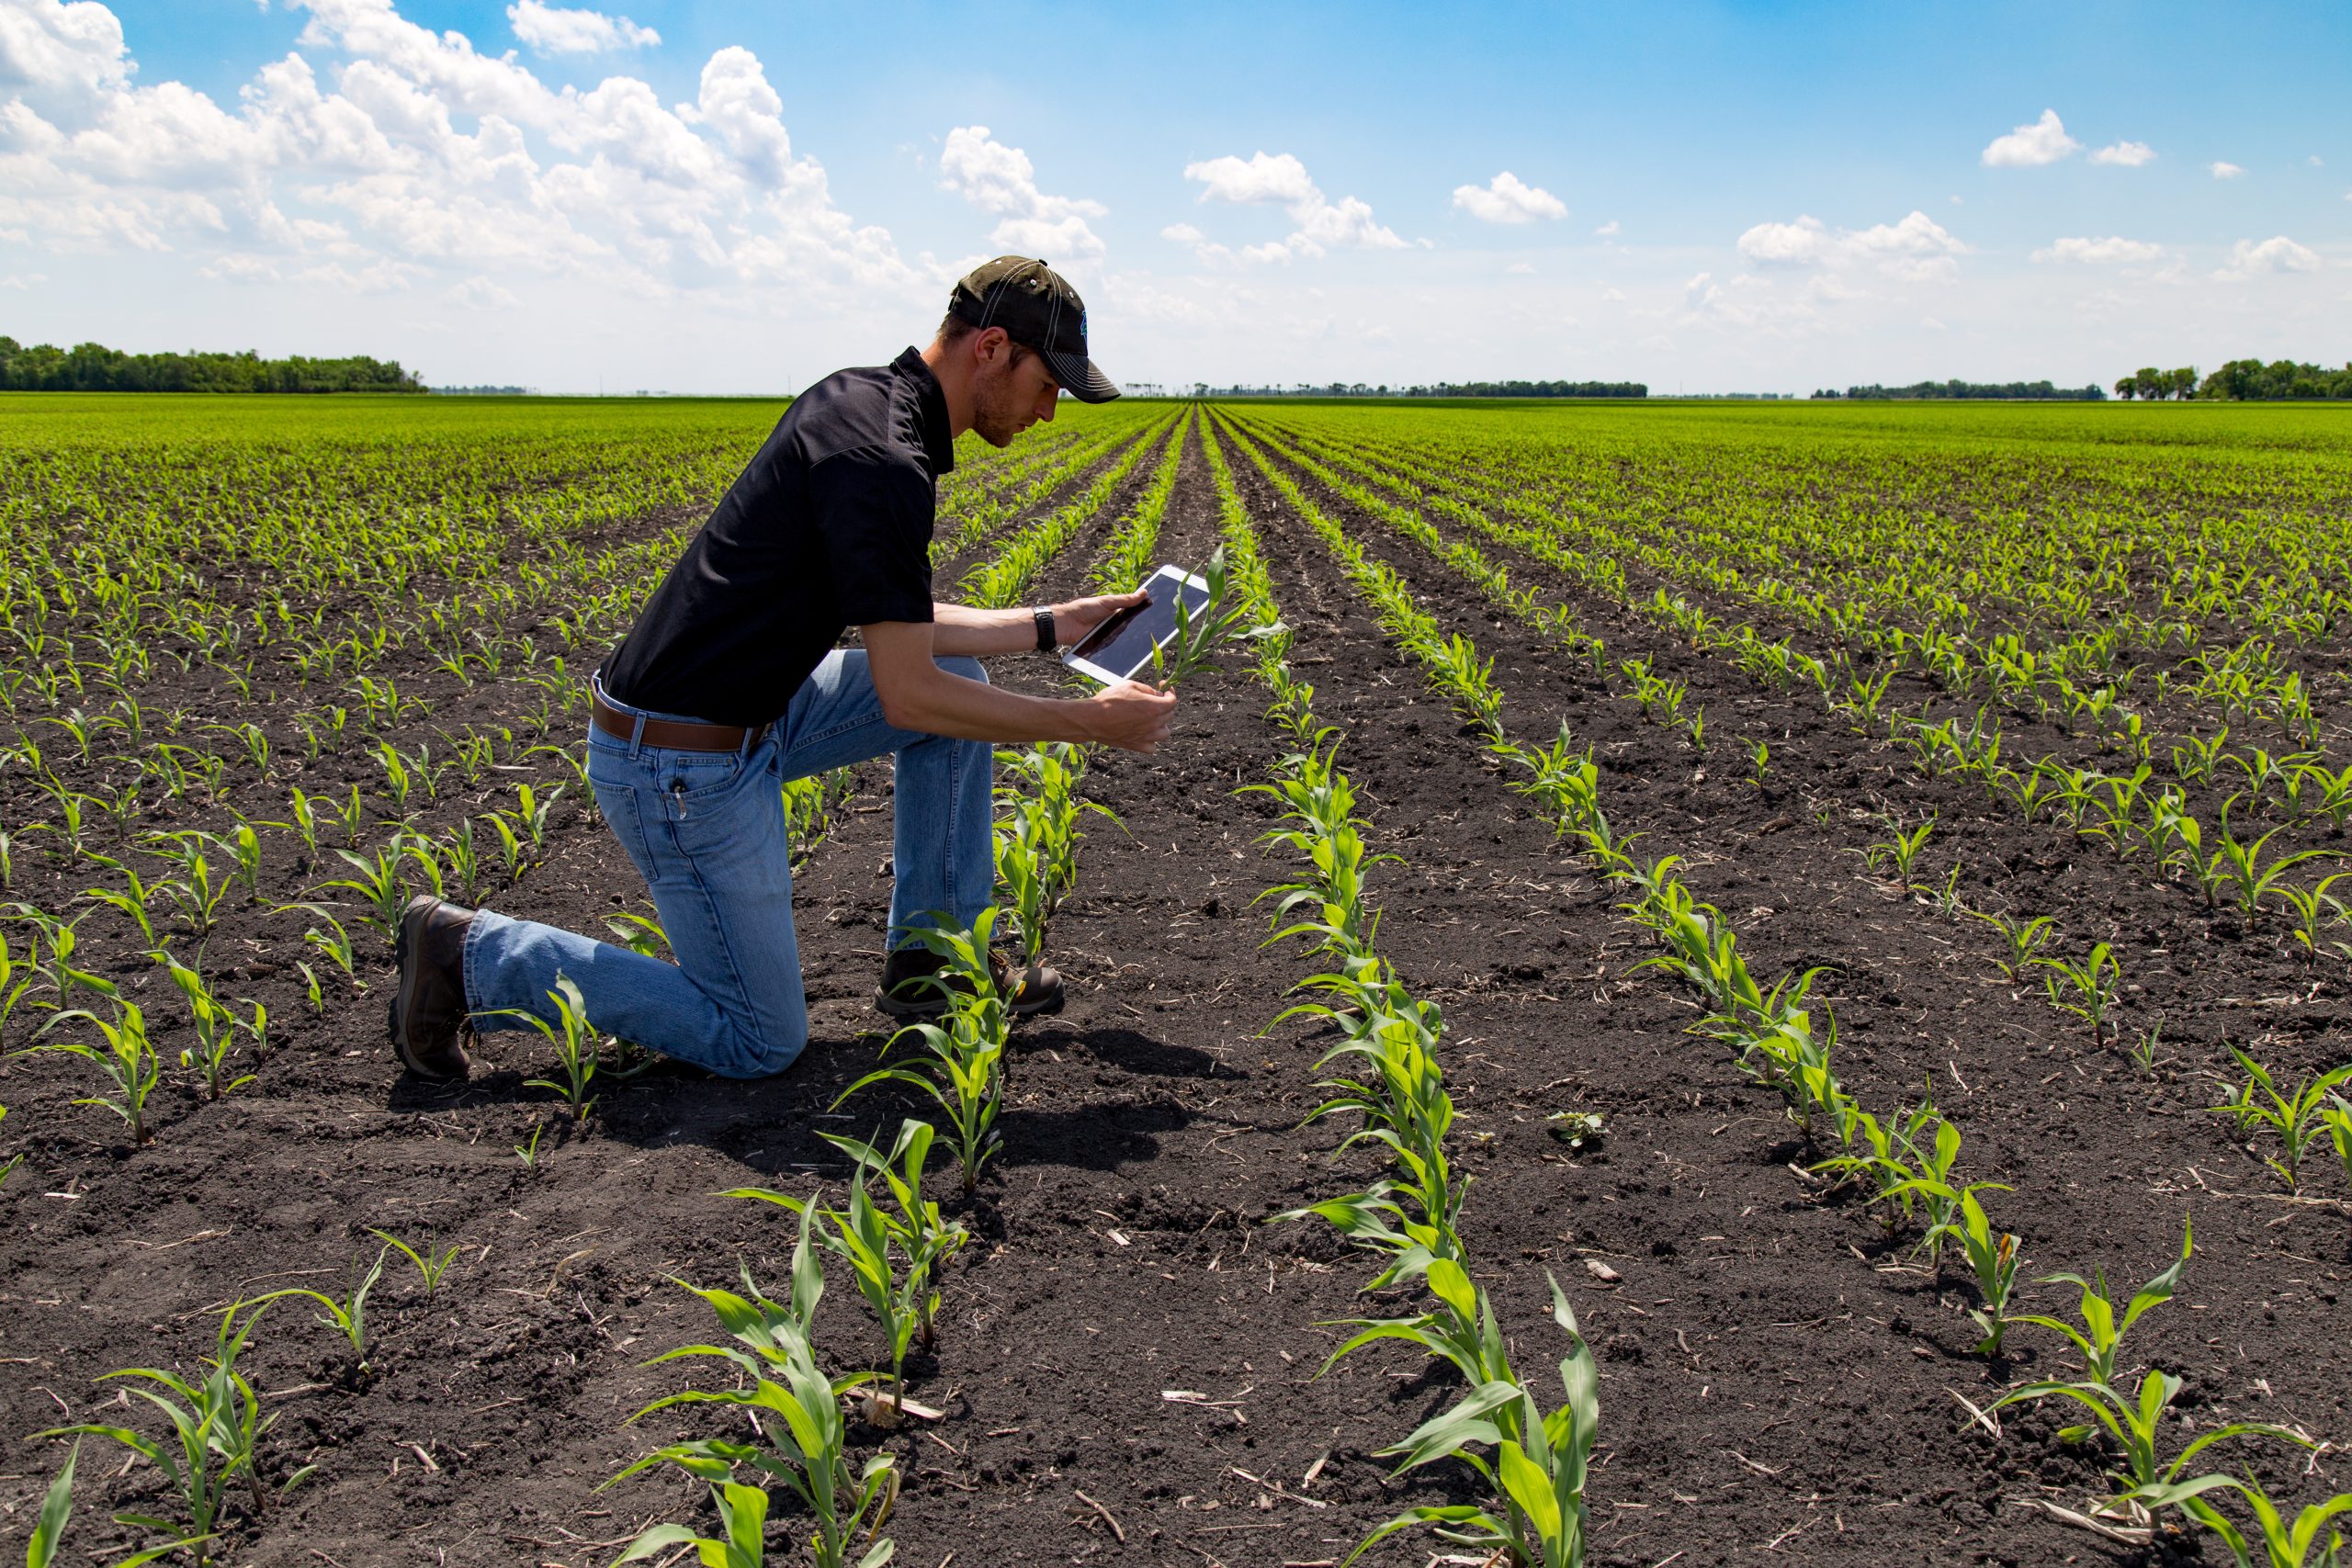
1793,875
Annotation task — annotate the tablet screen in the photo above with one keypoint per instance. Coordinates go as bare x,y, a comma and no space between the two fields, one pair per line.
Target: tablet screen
1121,648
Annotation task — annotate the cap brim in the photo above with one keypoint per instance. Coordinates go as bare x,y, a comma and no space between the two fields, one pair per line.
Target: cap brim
1081,378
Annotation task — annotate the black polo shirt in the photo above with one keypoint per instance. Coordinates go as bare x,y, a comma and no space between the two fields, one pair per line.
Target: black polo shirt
828,527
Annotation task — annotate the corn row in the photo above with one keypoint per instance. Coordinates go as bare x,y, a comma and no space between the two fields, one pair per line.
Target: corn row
1128,557
1386,1073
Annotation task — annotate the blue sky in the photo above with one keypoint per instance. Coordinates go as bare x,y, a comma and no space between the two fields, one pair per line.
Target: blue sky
735,199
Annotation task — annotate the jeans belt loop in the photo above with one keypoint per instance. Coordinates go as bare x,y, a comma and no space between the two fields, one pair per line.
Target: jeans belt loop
636,736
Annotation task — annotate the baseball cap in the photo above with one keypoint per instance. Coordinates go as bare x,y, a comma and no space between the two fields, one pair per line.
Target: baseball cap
1038,310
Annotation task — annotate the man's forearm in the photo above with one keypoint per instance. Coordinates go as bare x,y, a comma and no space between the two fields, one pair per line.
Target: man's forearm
946,704
975,633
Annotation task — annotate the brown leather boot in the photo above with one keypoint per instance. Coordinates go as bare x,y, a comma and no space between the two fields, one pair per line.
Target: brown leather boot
429,1004
908,990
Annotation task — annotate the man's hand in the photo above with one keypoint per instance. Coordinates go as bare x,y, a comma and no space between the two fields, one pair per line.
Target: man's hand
1134,715
1073,620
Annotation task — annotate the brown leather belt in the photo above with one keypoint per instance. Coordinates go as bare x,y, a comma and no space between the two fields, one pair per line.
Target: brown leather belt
673,734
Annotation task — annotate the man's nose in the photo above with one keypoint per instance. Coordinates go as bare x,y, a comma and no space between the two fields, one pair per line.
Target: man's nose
1048,404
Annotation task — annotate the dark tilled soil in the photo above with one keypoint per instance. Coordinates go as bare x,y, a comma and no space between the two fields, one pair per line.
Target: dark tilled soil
1129,1350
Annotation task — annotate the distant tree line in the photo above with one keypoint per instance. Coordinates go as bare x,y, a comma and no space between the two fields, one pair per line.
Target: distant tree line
1437,389
2017,390
482,391
2249,380
94,368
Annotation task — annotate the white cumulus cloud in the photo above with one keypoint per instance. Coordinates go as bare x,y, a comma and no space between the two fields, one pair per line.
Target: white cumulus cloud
2223,171
552,30
1001,180
1608,229
2029,146
1279,179
1917,249
2114,248
1506,199
2278,253
2127,154
424,158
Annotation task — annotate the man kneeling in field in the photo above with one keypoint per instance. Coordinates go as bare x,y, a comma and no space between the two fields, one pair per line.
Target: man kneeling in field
729,684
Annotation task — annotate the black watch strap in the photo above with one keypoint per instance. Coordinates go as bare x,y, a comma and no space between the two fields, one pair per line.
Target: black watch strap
1046,642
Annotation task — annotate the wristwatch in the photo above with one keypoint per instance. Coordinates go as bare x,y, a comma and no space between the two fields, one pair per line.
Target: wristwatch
1046,641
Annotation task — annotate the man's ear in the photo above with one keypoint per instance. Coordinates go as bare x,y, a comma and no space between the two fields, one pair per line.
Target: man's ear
989,345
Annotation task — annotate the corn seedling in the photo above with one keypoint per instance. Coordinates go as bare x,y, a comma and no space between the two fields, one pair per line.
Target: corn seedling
1389,1041
127,1060
217,1425
1538,1470
741,1543
2314,909
639,935
574,1041
430,1265
380,885
2100,1338
1899,849
217,1028
1759,757
1991,1258
1227,617
529,1153
961,1066
2274,1543
796,1411
198,892
2086,989
349,1315
864,1234
2297,1117
2025,938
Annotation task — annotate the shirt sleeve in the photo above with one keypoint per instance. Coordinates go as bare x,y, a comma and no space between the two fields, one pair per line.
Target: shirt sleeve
873,512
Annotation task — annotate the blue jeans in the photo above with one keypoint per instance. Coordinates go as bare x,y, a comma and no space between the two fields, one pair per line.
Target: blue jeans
707,831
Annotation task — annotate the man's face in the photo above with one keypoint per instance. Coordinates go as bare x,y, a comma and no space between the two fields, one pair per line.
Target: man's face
1012,391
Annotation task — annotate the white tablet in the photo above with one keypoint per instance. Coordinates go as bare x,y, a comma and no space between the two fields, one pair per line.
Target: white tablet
1121,648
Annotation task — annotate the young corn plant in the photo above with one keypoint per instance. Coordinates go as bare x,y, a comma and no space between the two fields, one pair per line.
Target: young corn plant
347,1317
127,1059
2024,939
57,1508
1389,1045
1227,617
2086,989
575,1043
1539,1466
2099,1340
430,1265
1899,849
2297,1117
959,1065
795,1411
217,1030
1991,1258
2274,1542
216,1427
870,1239
742,1526
2314,909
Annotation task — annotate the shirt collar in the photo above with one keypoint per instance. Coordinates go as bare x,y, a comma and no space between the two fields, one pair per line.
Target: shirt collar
931,408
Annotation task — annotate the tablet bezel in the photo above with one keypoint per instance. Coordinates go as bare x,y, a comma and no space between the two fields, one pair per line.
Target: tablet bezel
1086,667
